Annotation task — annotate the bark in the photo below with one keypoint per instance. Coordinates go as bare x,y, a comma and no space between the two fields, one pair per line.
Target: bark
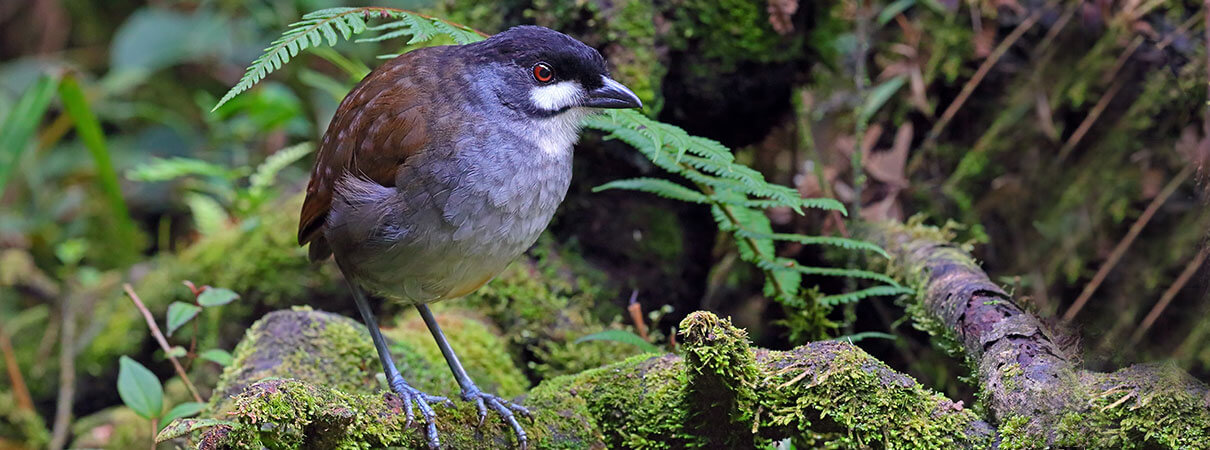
1030,381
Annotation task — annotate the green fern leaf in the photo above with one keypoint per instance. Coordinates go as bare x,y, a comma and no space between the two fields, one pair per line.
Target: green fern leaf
851,244
267,171
208,215
160,169
789,264
855,296
662,188
328,26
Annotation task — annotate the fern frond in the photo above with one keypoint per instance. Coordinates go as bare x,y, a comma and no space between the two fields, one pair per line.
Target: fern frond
208,215
164,169
789,264
267,171
851,297
330,25
846,243
660,187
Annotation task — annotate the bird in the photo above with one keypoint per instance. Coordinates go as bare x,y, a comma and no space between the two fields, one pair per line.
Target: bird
441,167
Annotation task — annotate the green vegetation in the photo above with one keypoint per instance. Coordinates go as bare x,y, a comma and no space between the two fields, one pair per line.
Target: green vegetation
1061,146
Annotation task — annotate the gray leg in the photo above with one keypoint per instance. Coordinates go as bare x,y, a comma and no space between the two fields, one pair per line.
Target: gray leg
408,393
470,392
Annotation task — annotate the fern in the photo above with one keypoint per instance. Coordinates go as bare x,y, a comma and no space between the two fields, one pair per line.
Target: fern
328,26
876,291
267,171
737,194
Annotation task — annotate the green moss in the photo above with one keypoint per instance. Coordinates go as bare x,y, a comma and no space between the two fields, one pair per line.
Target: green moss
729,31
20,425
843,398
644,409
1015,433
722,378
546,304
1134,409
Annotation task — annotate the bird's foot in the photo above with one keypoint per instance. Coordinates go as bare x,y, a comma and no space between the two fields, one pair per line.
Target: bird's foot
506,409
409,394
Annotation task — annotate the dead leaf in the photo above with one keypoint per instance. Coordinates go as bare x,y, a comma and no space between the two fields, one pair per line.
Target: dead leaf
781,13
985,40
888,166
885,209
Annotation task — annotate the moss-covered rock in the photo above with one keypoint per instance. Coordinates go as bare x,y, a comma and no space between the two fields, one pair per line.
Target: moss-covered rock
723,394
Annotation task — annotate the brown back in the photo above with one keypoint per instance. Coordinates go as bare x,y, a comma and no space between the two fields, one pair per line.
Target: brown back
378,126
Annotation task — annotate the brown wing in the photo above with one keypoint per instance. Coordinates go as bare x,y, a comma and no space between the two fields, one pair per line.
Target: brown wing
378,126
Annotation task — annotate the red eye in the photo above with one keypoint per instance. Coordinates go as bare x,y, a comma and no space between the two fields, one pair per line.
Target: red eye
543,73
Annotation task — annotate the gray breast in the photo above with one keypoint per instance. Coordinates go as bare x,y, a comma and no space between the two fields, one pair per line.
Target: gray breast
454,220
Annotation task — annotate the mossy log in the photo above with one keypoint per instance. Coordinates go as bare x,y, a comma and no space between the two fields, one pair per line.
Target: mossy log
1030,381
304,379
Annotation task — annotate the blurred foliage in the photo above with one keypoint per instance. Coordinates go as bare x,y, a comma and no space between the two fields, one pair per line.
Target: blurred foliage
211,196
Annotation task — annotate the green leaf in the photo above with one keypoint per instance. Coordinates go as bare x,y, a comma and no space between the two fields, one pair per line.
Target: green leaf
623,336
216,297
217,356
140,389
180,313
181,411
879,95
161,169
88,130
184,427
21,122
893,10
176,351
662,188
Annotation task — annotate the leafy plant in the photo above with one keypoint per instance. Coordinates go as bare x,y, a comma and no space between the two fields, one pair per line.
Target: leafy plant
142,392
735,193
218,184
621,336
330,24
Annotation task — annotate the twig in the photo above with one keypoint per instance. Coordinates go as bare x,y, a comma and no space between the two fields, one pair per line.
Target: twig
860,80
159,337
984,68
1169,294
1056,28
1120,249
67,376
20,391
1102,103
636,314
1092,117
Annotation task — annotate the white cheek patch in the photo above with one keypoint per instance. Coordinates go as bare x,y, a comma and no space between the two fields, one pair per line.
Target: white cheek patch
556,96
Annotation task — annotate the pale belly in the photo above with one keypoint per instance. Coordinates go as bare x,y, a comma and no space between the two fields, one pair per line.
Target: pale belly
448,227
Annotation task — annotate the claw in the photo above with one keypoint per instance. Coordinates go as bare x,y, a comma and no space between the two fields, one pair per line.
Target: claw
502,407
409,394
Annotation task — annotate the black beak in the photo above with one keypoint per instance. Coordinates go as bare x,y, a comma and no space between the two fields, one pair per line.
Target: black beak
612,95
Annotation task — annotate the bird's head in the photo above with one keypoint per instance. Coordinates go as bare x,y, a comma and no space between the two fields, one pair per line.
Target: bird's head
542,73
